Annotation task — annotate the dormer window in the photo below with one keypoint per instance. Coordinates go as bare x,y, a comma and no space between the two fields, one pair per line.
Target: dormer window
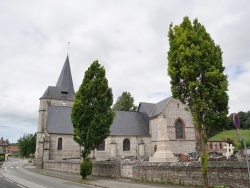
64,90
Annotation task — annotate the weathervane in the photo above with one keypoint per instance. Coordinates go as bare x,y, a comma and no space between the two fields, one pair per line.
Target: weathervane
68,48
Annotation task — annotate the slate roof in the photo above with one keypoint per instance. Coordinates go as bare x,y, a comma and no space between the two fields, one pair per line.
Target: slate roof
151,109
159,107
146,108
125,123
129,124
64,88
59,120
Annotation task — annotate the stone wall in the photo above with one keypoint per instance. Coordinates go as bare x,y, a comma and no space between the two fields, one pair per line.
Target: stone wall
63,166
232,174
41,129
177,110
173,111
106,169
70,149
118,140
100,168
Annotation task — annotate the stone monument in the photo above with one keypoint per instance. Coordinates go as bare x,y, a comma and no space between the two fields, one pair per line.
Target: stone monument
163,152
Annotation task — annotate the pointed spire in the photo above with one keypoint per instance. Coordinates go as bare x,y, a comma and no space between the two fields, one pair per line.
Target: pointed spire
65,81
64,88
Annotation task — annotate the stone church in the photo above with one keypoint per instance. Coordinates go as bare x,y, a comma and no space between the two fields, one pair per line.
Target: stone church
155,132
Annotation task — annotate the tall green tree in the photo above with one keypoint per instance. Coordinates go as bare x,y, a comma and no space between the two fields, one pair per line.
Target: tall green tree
197,79
125,103
244,118
230,124
91,114
27,144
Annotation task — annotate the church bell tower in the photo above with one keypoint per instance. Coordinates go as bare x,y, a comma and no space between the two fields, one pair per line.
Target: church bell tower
62,94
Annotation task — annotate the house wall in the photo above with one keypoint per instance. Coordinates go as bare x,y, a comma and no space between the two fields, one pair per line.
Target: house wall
176,110
118,140
41,130
70,149
216,146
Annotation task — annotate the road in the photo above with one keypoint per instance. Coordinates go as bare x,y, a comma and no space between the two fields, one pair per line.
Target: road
13,175
6,183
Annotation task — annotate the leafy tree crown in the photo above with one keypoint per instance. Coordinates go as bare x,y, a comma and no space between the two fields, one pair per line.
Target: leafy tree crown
125,103
27,144
91,113
196,71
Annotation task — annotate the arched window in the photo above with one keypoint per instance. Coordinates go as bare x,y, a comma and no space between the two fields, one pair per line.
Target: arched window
59,145
101,147
126,145
179,128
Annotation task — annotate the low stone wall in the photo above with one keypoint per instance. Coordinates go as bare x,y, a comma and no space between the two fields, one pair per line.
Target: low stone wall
106,169
100,168
63,166
232,174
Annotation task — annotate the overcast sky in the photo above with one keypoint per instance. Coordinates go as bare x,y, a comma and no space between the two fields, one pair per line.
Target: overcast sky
129,38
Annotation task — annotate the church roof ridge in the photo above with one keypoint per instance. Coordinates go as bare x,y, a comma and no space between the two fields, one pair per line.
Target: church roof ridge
146,103
160,106
125,111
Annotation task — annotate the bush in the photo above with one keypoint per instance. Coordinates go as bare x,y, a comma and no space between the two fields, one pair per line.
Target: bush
86,167
2,157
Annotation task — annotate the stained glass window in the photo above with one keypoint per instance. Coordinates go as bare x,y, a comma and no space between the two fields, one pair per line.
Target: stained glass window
126,145
59,146
179,129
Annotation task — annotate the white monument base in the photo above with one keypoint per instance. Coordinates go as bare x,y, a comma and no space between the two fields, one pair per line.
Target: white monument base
163,154
163,157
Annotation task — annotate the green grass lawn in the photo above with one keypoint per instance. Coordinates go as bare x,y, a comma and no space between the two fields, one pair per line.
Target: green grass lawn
233,136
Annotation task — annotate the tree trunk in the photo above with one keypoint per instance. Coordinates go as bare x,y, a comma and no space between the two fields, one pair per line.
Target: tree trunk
204,158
